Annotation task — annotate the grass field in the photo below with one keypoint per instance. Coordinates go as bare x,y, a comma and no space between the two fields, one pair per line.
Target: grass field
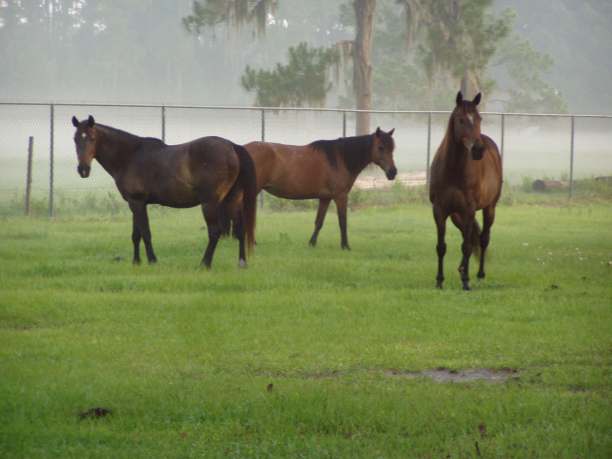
308,352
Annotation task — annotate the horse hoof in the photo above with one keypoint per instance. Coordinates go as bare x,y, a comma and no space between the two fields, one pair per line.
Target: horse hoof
242,264
481,275
466,287
439,285
312,243
136,262
345,247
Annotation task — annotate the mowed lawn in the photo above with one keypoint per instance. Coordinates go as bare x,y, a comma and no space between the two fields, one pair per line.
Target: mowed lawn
308,352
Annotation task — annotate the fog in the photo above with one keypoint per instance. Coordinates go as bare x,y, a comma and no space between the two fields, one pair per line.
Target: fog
139,52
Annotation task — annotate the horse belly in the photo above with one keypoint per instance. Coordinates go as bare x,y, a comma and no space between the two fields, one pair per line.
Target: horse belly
296,185
174,195
489,191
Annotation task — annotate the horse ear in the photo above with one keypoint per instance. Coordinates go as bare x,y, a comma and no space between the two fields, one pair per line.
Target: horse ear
476,100
459,98
75,122
378,131
391,131
90,121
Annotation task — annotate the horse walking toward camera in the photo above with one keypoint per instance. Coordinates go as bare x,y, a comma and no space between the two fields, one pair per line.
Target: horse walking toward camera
323,170
210,171
466,176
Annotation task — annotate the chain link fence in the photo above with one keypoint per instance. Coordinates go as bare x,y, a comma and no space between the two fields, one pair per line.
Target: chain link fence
544,146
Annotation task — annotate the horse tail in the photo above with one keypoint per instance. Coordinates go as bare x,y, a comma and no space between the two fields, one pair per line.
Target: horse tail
247,181
476,238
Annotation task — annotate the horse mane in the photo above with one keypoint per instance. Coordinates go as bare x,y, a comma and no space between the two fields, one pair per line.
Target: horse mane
128,136
354,151
447,140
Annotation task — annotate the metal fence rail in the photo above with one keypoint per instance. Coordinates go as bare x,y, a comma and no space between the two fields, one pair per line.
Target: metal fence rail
165,110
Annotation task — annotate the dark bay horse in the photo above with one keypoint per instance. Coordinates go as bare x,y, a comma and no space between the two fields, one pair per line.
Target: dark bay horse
466,176
323,170
210,171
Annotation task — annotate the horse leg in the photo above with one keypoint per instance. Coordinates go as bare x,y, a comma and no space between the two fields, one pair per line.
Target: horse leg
466,247
239,226
440,219
136,240
323,205
235,209
488,217
213,224
139,211
341,202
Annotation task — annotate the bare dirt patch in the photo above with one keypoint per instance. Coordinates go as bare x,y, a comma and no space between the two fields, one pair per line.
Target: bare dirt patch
444,375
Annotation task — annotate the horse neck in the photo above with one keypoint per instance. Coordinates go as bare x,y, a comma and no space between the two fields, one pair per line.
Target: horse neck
455,156
115,148
356,152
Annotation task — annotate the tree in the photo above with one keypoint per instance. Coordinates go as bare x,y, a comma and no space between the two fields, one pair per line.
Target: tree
449,42
362,67
302,80
210,13
459,38
207,14
528,92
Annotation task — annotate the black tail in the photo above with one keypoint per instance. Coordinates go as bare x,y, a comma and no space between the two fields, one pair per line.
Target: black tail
476,238
247,181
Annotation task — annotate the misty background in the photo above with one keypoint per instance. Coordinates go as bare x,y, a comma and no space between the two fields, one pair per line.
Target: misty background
140,51
554,58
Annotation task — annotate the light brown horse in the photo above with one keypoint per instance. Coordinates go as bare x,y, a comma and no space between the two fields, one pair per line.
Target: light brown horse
211,172
323,170
466,176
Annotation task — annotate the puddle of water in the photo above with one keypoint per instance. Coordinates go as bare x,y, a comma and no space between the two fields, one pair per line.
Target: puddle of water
443,375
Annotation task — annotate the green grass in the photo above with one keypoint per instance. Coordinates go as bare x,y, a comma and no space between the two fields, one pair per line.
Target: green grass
183,357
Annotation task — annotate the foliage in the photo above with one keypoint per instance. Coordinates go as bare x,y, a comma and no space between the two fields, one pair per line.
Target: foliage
448,40
209,13
528,92
303,80
307,352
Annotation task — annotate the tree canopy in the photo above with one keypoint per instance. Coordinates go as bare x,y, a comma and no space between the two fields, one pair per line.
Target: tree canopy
304,80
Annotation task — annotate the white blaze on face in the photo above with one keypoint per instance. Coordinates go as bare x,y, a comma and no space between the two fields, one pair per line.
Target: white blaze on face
471,118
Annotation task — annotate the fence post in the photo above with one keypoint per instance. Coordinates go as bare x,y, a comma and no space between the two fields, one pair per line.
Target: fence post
263,139
51,159
503,127
571,174
428,149
29,175
163,123
343,124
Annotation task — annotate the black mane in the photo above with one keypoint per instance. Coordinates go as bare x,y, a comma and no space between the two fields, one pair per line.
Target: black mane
128,135
356,152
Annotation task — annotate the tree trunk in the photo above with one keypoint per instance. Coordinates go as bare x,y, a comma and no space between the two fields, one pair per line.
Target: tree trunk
469,85
362,68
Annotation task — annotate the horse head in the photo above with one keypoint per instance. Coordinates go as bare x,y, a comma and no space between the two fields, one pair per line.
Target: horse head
466,125
382,152
85,142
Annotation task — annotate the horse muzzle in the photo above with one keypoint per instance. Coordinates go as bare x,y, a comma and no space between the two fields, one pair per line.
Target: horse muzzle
83,170
391,173
478,151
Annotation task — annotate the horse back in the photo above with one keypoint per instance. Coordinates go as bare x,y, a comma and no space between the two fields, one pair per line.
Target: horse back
293,171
